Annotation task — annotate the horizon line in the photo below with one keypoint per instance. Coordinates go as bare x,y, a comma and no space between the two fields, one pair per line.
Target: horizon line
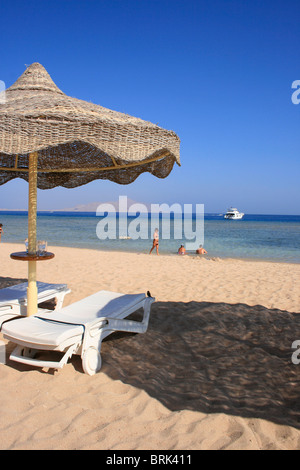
216,213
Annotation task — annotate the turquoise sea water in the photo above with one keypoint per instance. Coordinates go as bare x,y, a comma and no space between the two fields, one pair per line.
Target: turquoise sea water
266,237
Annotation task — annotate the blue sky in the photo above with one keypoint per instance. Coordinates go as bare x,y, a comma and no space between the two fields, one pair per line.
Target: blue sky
217,72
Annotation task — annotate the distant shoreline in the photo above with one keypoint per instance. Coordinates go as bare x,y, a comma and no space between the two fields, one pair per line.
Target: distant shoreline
190,255
63,211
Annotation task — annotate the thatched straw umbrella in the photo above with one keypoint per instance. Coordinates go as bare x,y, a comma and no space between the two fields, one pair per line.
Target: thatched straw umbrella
50,139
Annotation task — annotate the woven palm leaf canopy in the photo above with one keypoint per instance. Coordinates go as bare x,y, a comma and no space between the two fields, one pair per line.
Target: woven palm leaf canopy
50,139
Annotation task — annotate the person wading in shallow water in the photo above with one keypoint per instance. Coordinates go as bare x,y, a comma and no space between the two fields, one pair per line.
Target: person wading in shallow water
181,250
201,251
155,242
1,231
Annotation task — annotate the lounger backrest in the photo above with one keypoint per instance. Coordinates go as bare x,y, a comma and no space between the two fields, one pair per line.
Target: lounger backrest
101,304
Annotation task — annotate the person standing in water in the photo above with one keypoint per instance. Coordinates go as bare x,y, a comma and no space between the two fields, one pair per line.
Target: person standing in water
1,231
155,242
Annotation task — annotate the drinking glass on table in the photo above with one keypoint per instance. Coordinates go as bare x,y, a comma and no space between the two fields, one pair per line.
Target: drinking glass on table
42,247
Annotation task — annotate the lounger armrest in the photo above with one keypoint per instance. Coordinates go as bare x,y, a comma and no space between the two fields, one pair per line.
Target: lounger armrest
93,332
110,323
131,326
127,325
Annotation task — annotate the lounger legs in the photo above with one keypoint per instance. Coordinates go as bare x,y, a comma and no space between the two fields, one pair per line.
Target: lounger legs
27,356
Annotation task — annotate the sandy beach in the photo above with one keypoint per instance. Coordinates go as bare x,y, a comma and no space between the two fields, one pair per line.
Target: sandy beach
213,371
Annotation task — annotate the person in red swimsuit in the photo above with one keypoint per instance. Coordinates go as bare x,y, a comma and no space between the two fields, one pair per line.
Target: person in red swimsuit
155,242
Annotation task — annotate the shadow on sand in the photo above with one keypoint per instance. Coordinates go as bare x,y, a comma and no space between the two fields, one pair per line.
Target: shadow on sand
209,357
213,358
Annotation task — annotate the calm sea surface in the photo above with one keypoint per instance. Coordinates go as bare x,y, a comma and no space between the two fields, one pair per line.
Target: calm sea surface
266,237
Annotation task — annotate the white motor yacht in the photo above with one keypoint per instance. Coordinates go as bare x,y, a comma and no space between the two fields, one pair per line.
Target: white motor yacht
233,214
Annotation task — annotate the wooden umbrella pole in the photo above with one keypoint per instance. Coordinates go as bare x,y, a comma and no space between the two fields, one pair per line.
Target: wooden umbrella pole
32,214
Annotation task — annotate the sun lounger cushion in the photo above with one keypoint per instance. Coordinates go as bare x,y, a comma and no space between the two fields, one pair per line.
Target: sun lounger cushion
39,332
56,328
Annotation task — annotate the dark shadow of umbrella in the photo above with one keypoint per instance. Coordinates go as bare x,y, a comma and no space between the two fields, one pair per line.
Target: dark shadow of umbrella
10,281
213,358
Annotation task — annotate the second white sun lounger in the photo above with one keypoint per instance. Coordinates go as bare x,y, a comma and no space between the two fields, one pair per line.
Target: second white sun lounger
76,329
13,299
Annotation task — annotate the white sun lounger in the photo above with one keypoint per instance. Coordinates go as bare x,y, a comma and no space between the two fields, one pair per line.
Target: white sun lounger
13,300
76,329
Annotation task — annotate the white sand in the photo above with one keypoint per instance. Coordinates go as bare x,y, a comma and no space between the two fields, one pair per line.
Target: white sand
213,371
